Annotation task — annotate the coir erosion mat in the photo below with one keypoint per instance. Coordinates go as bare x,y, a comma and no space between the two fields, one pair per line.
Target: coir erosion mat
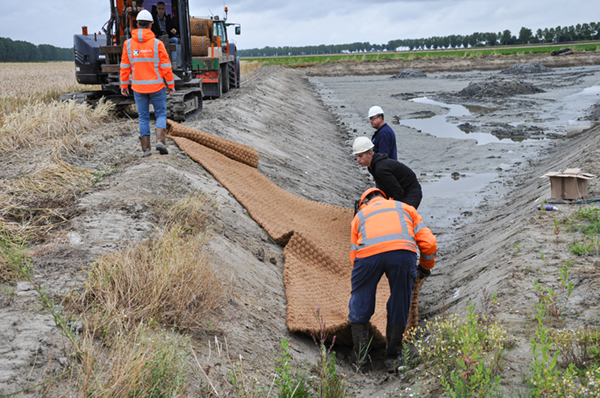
316,236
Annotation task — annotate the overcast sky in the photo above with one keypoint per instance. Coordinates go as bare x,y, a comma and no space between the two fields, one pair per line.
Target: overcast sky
311,22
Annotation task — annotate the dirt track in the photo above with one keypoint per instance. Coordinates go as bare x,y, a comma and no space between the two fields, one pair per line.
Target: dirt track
303,136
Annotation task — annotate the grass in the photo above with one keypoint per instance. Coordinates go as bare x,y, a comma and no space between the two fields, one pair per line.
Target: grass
587,220
166,280
34,203
135,305
579,375
307,60
247,67
291,379
140,362
36,129
466,353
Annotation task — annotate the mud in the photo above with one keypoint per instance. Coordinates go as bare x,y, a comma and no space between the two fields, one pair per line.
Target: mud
530,67
409,74
497,88
479,200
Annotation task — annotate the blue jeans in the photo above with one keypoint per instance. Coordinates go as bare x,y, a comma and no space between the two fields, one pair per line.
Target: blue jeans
177,52
159,102
400,267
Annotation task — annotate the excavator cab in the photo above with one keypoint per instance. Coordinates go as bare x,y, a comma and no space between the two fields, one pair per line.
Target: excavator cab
98,58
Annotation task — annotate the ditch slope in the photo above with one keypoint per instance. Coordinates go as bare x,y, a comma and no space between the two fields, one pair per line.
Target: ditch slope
303,136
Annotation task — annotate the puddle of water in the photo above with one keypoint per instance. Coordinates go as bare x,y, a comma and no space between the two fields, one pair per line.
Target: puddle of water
441,198
438,126
564,114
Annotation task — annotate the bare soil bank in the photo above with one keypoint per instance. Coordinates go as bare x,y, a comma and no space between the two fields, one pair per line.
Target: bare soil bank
302,130
449,64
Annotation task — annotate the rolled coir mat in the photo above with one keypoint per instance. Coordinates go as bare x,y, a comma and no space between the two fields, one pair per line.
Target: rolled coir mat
201,27
200,46
240,152
316,236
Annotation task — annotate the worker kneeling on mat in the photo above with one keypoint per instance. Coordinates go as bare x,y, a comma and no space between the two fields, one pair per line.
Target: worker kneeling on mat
385,237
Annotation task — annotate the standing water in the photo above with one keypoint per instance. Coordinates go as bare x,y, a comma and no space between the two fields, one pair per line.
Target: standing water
438,126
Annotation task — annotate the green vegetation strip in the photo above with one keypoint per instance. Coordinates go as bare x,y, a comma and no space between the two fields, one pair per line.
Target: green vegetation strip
409,56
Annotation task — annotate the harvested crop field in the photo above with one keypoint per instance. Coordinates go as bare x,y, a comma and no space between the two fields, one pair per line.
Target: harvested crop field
82,208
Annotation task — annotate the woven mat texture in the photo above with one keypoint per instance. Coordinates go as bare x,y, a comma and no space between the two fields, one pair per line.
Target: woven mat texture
201,27
200,46
316,236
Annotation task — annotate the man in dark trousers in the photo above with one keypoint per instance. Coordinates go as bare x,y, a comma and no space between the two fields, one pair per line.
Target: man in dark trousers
395,179
384,138
385,237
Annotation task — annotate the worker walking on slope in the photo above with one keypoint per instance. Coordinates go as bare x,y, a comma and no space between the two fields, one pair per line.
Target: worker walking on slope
384,138
394,178
385,237
145,61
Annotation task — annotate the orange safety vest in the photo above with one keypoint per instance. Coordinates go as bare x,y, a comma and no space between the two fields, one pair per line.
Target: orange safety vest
146,59
387,225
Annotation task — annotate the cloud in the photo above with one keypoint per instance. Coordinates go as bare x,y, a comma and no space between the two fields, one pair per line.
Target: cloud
297,23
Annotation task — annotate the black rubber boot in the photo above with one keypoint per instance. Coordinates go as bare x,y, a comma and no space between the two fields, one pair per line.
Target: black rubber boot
361,343
393,347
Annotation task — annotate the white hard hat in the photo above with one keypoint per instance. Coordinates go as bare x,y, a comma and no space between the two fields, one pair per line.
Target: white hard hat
144,15
361,144
375,110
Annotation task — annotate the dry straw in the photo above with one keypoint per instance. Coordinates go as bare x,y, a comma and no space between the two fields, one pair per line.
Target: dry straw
135,363
30,111
37,122
35,125
32,204
166,279
24,83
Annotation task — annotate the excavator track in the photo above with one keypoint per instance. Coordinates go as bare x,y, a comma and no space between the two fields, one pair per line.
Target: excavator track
184,104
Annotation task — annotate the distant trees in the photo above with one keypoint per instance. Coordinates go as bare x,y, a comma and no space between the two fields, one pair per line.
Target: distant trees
585,31
525,35
22,51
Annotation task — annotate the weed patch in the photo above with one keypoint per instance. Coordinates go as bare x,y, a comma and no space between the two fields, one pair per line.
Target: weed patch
466,353
588,220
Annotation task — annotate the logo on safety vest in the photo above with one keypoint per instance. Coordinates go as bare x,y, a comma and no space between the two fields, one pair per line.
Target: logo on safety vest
136,52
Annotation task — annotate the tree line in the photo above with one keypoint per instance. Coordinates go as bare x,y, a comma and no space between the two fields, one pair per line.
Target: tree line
22,51
579,32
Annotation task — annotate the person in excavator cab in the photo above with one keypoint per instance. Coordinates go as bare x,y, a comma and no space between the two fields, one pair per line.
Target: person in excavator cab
163,24
146,65
386,235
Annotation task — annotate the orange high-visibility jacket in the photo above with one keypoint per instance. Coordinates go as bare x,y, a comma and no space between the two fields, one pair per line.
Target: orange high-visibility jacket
387,225
146,61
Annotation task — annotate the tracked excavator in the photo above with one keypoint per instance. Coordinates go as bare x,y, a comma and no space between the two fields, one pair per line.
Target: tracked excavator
201,70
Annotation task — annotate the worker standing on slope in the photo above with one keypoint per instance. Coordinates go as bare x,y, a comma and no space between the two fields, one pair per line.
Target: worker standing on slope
385,237
395,179
146,62
384,138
